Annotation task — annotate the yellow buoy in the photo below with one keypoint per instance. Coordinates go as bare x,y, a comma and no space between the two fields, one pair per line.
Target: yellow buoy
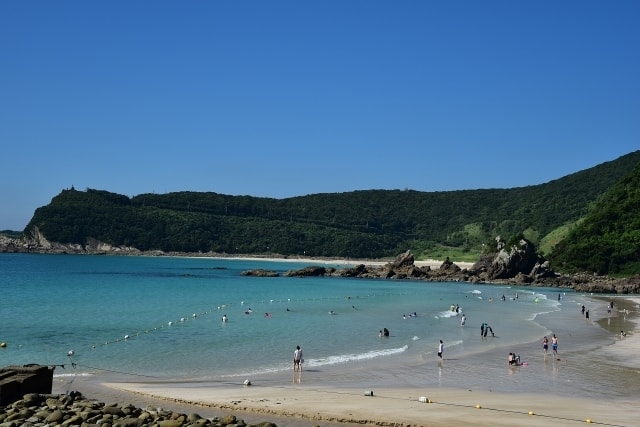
478,406
588,421
531,413
3,344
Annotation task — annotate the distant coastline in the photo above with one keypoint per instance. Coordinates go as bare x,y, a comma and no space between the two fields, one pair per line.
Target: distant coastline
404,266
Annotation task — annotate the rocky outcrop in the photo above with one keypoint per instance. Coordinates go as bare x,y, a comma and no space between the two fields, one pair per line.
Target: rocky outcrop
403,260
260,273
75,410
508,263
518,266
312,270
38,243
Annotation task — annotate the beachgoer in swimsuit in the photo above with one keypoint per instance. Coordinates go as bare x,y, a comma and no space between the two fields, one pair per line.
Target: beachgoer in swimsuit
545,344
440,349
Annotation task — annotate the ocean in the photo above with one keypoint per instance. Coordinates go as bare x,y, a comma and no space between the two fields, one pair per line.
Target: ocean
160,318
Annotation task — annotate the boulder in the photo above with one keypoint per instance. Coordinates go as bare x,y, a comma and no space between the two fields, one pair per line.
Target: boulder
508,262
260,273
403,260
307,272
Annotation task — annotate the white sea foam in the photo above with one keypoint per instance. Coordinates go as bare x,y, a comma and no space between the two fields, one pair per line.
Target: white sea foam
71,375
446,314
332,360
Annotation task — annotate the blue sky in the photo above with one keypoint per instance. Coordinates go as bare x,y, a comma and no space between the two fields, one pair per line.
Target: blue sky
280,99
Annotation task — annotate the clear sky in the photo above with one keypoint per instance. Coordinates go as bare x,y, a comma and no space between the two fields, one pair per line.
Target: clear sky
288,98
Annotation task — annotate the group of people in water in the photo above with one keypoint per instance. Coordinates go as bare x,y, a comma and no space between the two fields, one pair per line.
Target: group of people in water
585,312
514,360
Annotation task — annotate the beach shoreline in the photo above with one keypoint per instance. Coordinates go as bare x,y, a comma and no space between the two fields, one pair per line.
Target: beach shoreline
433,263
326,398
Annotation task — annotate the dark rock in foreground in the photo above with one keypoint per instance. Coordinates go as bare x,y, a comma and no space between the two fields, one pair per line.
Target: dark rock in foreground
75,410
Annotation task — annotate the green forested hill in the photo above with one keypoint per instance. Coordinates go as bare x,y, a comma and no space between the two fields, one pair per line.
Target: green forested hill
607,241
360,224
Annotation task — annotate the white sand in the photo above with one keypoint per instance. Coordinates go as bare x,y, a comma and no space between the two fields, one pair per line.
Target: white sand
350,262
400,407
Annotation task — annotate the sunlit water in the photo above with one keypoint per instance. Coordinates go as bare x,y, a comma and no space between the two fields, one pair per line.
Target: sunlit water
160,318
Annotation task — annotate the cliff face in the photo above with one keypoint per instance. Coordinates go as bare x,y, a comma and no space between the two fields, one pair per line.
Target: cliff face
37,243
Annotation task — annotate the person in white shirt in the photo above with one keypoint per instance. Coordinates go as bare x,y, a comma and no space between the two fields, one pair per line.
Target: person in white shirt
297,359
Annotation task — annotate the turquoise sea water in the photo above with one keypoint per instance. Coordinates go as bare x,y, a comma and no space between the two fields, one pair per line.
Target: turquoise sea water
160,317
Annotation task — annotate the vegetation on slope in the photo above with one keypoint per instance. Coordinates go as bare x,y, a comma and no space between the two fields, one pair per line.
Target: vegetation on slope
607,241
359,224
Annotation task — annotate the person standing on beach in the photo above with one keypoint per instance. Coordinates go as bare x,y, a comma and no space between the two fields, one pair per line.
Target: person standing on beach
545,345
297,358
440,349
554,344
463,320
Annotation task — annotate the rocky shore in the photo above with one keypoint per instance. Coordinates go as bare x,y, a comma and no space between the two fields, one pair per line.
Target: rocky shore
73,409
518,264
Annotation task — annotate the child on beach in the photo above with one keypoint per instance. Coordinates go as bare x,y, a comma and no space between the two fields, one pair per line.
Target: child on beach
545,344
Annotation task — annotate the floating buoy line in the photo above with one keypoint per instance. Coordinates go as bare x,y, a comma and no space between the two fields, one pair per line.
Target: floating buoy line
185,319
193,317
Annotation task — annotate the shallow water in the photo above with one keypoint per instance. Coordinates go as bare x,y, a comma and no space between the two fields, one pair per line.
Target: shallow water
159,319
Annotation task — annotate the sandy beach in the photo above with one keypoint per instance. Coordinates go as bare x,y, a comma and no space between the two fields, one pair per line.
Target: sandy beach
433,263
318,397
401,407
